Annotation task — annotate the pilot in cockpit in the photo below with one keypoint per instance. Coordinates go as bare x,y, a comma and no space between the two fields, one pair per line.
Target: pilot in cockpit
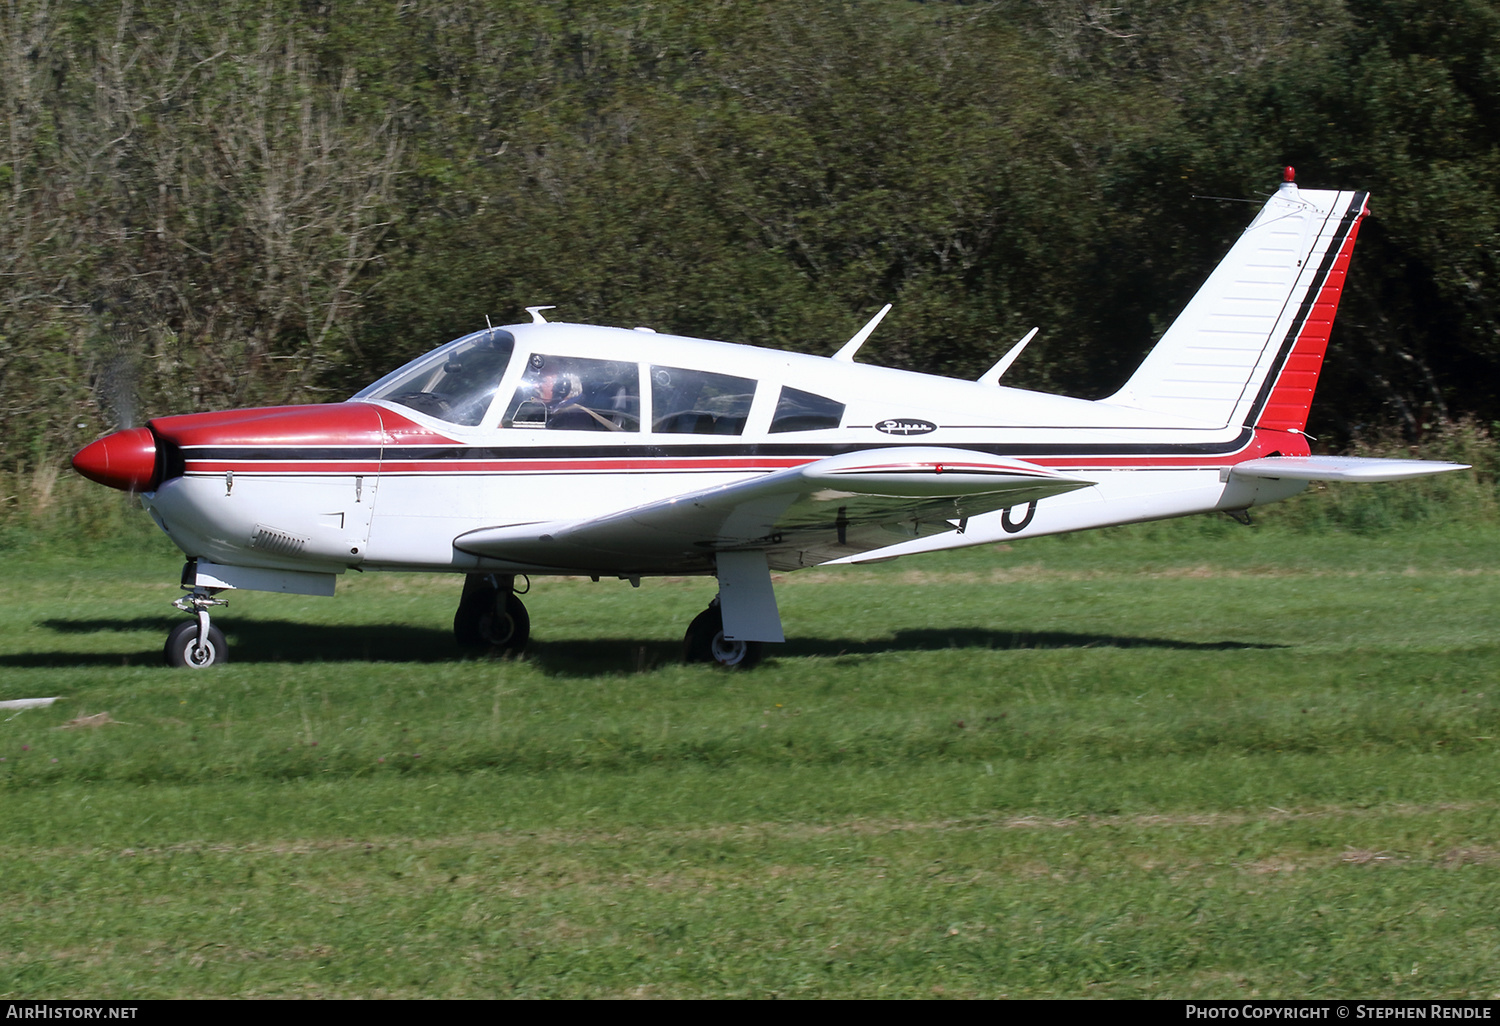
577,394
546,388
558,390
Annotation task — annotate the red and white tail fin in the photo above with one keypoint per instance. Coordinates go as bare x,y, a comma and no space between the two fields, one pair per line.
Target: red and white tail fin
1249,346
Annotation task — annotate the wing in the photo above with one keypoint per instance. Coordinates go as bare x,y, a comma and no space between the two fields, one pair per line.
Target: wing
800,516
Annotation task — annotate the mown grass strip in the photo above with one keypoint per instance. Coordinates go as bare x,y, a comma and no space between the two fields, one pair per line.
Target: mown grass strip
1155,762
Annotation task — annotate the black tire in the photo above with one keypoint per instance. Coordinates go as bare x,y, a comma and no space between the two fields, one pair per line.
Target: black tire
182,647
486,619
471,608
506,625
704,642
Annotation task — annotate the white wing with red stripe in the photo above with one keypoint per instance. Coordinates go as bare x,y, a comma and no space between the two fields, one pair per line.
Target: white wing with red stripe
800,516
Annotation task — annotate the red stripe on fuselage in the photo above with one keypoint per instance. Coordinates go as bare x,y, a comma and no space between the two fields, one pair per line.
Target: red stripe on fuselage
1287,444
518,466
943,467
282,469
366,426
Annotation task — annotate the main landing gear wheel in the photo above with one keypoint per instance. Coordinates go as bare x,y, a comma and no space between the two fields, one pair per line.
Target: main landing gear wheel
183,648
490,616
705,643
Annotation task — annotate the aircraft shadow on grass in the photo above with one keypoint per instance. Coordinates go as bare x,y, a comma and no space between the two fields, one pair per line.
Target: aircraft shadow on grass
583,656
285,641
254,641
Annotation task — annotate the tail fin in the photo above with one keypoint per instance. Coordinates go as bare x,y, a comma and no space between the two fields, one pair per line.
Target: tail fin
1249,346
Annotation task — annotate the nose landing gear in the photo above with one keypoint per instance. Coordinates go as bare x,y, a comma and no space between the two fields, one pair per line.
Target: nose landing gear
197,644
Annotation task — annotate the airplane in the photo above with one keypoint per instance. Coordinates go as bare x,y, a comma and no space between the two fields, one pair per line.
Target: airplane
548,448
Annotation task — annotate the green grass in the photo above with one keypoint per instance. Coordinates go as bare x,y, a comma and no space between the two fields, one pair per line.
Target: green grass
1186,760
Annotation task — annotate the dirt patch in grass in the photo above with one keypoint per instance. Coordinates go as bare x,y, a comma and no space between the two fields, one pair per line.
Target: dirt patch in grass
99,719
573,837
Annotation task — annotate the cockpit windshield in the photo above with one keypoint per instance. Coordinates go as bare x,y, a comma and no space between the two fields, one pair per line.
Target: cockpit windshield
455,383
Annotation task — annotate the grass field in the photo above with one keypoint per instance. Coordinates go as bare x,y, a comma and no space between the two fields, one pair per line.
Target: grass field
1189,760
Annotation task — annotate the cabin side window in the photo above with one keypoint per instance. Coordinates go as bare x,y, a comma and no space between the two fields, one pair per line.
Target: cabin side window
568,393
797,410
699,403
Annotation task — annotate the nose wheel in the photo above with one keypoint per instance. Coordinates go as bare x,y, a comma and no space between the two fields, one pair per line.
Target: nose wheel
184,648
197,644
705,643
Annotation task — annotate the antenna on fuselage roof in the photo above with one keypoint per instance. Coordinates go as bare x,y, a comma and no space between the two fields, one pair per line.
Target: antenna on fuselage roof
992,376
846,354
536,313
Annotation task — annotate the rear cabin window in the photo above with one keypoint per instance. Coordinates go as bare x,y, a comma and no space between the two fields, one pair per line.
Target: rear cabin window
797,410
568,393
699,403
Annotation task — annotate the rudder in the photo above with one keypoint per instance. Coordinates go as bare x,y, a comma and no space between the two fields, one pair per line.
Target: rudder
1250,344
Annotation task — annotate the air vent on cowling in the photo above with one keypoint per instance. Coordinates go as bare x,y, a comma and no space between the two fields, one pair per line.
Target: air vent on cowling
268,539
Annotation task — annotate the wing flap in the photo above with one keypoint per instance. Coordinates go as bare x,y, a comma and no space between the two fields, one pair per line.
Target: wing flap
799,516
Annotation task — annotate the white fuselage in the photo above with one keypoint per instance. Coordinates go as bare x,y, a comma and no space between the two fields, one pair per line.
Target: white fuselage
396,496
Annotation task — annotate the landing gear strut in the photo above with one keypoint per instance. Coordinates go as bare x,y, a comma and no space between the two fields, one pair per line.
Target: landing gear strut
197,644
490,615
705,643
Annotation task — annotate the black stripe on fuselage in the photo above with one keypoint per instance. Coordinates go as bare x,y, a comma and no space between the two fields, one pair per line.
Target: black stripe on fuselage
400,453
308,454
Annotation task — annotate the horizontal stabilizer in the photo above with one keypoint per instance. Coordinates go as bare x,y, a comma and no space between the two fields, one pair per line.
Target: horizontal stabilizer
1340,468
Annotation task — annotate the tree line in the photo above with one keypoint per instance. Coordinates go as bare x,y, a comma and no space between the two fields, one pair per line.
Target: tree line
276,201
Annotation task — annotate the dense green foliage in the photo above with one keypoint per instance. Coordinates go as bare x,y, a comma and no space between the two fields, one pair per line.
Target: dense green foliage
250,202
